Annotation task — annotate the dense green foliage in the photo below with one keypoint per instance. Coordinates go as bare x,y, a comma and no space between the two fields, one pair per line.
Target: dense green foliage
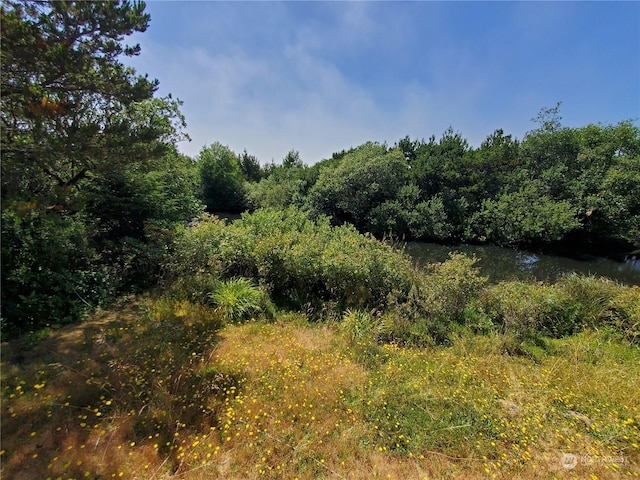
221,178
336,273
369,176
91,180
558,184
281,185
301,263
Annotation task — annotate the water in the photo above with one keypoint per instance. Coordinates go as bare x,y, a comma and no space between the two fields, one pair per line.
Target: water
504,263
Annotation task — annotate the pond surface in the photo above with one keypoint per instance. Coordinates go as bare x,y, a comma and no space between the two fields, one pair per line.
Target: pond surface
504,263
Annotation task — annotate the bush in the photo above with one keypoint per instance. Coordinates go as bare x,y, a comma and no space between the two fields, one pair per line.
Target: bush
525,216
429,220
221,179
387,218
437,301
197,260
50,275
626,313
451,285
529,309
525,311
301,263
593,296
360,271
605,303
365,178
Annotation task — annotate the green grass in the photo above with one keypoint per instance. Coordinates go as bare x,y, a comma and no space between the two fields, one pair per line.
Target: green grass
512,414
239,299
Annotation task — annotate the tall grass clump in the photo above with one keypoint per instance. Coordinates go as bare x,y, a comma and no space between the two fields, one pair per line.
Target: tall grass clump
527,309
239,299
626,305
605,303
362,327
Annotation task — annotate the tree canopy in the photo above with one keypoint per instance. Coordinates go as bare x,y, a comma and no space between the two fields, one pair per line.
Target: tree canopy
87,151
70,108
557,184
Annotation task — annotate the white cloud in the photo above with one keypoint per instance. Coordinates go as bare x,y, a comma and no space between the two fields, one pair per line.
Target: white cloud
320,77
298,99
268,104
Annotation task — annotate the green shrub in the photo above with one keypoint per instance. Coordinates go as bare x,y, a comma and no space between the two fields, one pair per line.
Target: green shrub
389,217
50,273
197,247
451,285
525,311
626,313
605,303
201,256
302,263
593,294
529,309
429,220
360,271
476,319
525,216
436,304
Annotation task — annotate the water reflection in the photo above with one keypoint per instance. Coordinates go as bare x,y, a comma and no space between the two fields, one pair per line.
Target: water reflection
526,262
503,264
633,261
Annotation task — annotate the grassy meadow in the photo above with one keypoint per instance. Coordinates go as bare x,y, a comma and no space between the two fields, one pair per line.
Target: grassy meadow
150,390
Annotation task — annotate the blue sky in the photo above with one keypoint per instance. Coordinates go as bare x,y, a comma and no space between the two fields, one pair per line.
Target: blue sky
320,77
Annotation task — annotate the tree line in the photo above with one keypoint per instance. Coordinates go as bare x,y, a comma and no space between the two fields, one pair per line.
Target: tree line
558,184
94,187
